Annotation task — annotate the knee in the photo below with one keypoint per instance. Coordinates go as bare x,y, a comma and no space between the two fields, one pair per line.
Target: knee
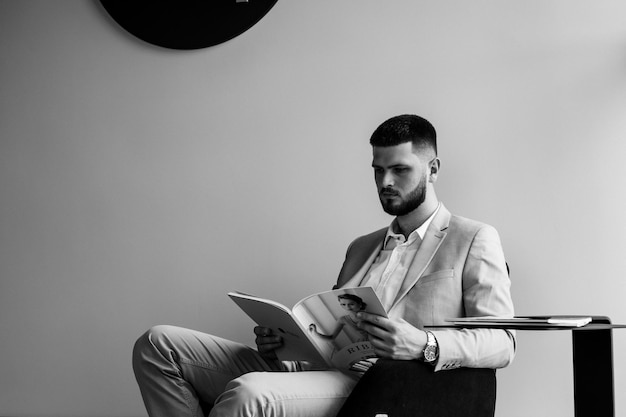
248,385
247,394
150,343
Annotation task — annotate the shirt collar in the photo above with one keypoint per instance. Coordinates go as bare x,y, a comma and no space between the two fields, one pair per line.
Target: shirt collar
419,232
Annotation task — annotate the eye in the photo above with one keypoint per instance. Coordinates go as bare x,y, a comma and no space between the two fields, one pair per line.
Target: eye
401,170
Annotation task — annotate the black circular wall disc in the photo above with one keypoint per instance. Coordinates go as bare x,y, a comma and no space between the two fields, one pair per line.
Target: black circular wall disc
187,24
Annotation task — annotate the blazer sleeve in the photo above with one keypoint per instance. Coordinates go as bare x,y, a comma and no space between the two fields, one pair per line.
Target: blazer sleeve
486,292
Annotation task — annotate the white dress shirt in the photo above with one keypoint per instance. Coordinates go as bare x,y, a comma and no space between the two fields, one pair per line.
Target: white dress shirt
392,263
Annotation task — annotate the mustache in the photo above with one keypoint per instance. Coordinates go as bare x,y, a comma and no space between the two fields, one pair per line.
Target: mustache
388,191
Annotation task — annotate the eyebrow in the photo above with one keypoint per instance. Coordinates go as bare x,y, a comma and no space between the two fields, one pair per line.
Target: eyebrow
391,166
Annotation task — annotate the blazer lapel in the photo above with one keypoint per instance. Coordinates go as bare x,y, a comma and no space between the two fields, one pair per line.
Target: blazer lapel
356,279
433,238
361,260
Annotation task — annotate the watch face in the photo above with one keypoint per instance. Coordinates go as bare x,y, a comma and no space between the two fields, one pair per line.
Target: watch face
430,353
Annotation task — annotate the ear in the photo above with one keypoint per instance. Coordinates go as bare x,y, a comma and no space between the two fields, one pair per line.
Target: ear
435,164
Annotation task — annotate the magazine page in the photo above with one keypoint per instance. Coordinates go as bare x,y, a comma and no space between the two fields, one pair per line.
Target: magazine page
268,313
330,318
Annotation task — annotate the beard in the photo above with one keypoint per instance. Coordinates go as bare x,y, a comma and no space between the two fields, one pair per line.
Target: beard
406,205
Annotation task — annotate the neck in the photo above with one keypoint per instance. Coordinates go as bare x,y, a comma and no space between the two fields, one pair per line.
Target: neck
411,221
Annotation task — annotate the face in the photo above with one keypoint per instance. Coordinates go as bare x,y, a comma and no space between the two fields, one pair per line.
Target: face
401,178
349,305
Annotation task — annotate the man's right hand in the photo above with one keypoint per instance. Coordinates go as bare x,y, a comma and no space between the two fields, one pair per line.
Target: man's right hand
267,342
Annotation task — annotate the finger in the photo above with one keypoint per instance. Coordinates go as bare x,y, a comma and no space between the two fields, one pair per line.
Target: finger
381,349
379,326
375,319
262,331
367,326
268,340
268,347
372,330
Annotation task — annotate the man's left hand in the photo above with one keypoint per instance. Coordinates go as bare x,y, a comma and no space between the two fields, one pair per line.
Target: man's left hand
393,338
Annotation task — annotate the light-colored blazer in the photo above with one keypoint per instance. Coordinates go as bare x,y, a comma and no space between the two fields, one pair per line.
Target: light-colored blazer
459,271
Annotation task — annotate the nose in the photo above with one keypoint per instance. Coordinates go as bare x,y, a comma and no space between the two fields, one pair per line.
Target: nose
387,179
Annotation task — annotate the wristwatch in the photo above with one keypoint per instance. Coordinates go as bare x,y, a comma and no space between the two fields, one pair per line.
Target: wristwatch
431,350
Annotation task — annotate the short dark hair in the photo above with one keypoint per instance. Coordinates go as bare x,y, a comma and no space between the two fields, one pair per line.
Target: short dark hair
405,128
355,298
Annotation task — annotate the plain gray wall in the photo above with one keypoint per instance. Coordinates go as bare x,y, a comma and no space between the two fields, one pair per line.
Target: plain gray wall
138,184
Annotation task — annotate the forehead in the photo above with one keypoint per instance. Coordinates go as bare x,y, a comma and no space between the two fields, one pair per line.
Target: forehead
403,154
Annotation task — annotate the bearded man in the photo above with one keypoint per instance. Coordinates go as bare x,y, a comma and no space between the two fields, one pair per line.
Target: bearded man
426,266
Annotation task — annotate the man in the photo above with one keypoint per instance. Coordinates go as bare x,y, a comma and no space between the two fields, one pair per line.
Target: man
427,266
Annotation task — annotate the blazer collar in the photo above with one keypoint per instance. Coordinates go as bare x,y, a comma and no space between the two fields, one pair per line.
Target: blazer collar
435,234
375,245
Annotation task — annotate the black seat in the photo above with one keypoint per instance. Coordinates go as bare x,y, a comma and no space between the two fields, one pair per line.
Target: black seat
413,389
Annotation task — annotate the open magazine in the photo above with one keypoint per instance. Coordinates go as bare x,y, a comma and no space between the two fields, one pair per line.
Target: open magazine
321,328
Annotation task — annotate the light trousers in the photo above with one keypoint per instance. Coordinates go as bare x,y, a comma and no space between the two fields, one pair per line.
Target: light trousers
182,372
